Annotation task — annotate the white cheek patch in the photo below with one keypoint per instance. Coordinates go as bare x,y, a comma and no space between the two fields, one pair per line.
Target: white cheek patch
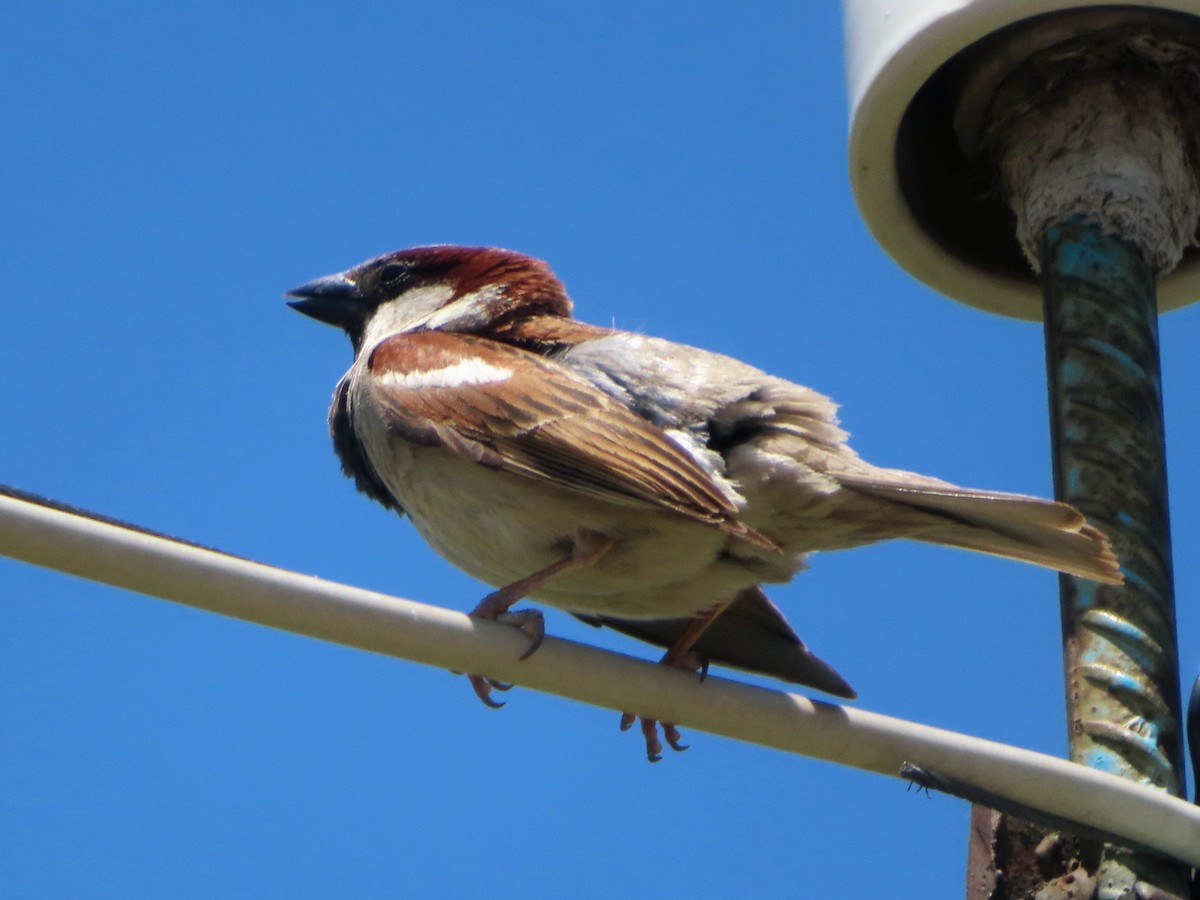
410,311
467,371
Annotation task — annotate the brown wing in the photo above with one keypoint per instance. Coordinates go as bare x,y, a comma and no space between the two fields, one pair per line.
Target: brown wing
508,409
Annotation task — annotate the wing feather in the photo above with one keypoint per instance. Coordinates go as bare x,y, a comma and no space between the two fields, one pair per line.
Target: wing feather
506,408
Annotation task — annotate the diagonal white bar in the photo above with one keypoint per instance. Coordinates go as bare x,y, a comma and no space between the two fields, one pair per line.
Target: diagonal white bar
117,554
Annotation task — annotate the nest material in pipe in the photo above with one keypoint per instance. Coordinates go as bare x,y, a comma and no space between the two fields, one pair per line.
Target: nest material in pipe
1107,128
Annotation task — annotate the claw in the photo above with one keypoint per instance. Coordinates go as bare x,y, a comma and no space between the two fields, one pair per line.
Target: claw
532,623
650,734
653,746
483,689
672,736
686,659
585,549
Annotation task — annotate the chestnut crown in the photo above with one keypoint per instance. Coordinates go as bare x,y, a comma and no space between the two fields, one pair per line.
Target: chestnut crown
445,288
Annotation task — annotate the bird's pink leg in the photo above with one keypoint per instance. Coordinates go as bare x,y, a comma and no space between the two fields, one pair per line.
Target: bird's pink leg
586,550
680,656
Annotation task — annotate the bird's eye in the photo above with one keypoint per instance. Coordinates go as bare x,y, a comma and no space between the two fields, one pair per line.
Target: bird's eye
392,272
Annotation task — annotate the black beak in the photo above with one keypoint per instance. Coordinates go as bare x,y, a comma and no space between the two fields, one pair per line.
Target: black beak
334,300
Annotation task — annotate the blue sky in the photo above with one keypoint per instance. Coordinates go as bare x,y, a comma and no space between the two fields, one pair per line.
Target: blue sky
172,169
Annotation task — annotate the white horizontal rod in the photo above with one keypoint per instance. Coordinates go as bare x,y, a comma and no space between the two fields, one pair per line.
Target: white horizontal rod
71,541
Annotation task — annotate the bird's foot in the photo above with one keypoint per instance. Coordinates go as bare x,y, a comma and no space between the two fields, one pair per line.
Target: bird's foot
493,608
585,549
689,660
530,621
484,686
650,733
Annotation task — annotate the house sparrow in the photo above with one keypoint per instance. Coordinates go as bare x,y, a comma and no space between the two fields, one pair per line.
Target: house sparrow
634,482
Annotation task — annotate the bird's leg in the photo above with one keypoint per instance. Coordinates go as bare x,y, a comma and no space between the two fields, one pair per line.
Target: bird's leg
679,656
586,549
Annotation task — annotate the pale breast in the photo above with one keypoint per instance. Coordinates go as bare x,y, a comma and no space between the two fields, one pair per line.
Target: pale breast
500,527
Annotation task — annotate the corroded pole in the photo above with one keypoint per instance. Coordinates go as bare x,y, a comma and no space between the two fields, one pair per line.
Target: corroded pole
1119,642
1093,140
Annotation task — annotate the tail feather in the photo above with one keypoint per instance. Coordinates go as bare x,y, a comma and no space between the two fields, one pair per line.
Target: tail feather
1042,532
751,634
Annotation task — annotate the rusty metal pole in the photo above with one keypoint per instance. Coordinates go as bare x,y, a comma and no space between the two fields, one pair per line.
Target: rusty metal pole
1120,648
1093,139
1075,129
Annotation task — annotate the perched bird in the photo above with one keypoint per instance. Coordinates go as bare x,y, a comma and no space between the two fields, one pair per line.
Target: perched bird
632,481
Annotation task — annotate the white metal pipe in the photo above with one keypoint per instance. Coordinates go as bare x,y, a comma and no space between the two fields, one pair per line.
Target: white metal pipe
120,555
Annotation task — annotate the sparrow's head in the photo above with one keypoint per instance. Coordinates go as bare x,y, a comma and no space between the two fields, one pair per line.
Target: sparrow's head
442,288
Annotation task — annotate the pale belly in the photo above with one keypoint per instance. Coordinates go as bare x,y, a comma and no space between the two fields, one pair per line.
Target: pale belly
500,527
